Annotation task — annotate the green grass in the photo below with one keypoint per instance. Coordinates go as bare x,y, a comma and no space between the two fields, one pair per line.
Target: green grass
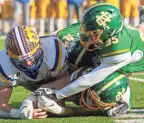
137,94
1,44
63,120
20,93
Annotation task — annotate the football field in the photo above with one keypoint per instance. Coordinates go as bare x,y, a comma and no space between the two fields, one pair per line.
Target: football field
135,116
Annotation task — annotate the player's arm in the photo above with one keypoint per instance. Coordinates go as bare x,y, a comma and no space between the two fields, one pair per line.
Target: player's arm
56,59
5,110
90,79
109,65
56,109
59,83
59,109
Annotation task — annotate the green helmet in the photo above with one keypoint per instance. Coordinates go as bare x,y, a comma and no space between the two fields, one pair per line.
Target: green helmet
100,22
77,54
105,94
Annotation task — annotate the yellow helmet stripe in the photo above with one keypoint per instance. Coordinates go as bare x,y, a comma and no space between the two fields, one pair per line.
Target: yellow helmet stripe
109,84
77,72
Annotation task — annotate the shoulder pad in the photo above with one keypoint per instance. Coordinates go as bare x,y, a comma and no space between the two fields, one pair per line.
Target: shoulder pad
55,53
6,72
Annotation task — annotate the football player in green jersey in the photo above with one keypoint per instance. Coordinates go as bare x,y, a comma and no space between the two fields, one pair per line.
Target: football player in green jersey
121,47
78,55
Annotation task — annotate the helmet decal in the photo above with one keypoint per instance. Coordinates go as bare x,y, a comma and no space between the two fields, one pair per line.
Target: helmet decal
103,19
109,84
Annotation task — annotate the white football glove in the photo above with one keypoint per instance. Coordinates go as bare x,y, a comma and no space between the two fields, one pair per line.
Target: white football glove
48,92
26,109
49,105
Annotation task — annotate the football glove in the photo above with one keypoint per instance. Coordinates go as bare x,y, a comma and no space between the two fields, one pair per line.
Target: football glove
47,92
49,105
26,109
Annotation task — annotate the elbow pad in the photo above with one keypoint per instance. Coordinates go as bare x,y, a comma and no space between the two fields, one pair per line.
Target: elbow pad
137,55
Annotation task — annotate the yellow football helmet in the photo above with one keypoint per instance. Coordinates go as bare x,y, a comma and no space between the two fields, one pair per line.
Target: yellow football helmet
23,48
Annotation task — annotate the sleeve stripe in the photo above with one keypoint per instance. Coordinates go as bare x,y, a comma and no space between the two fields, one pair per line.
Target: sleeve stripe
60,55
77,72
58,58
116,52
4,77
59,32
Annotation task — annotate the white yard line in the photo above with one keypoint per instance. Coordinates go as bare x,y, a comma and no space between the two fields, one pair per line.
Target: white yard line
138,73
137,111
136,79
135,116
130,121
130,115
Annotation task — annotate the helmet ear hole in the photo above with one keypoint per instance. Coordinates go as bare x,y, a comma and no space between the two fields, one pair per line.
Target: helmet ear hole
110,12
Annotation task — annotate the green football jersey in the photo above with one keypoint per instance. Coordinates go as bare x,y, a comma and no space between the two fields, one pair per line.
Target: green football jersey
69,33
77,55
128,40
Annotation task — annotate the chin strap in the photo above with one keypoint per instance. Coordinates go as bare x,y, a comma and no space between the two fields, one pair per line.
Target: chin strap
97,104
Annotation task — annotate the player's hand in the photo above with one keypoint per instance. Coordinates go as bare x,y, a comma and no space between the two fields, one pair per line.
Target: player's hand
39,114
49,105
26,109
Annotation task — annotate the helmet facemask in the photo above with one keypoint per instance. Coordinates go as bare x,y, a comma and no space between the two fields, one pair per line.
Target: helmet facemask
103,95
93,101
106,94
29,64
91,39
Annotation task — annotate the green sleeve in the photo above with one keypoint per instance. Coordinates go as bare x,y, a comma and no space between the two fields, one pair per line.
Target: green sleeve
129,39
